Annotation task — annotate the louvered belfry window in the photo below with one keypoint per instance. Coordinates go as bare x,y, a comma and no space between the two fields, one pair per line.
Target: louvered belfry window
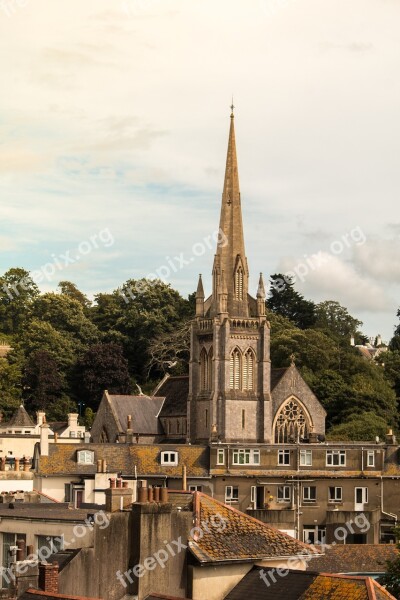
234,379
203,370
239,284
248,370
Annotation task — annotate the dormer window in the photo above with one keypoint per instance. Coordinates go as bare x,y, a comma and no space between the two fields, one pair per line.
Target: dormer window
85,457
169,459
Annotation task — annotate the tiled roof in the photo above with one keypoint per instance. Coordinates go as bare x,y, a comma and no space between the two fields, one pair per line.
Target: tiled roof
240,537
354,558
144,411
35,512
175,390
279,472
276,376
19,419
162,597
32,594
124,458
302,585
345,587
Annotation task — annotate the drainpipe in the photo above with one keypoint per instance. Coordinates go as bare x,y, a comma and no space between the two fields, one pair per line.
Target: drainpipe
382,511
362,460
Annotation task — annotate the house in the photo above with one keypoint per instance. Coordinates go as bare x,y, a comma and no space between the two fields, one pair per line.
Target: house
365,559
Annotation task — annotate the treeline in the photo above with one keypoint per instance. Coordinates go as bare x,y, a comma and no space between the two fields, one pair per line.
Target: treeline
67,350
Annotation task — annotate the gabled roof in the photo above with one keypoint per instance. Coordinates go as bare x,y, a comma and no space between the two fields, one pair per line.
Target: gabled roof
143,409
266,583
239,536
19,419
276,376
175,390
62,460
354,558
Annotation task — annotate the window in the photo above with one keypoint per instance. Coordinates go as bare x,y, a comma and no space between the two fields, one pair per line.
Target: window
361,495
314,535
309,493
203,370
283,457
370,458
220,456
169,459
248,370
335,494
85,457
195,488
243,418
336,458
246,457
9,539
206,418
231,494
283,494
72,434
234,370
48,542
239,284
292,424
305,458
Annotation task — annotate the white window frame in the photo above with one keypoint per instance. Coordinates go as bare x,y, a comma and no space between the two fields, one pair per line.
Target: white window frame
370,458
306,458
195,488
221,456
282,456
333,455
245,456
364,495
285,492
307,499
231,494
85,457
169,458
338,496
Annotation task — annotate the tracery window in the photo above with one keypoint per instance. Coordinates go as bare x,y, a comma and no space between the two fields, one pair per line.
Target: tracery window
291,424
203,370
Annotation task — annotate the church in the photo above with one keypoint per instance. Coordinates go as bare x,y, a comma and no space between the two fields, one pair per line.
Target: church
234,393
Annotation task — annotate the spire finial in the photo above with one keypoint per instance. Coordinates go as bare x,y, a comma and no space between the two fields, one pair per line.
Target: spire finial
232,107
292,359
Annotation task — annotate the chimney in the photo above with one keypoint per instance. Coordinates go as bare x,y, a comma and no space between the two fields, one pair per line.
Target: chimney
129,431
73,420
40,418
48,577
120,498
44,439
352,341
390,438
184,478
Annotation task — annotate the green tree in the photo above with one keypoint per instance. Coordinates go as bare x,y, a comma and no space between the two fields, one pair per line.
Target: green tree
391,579
102,367
67,288
17,292
284,300
331,316
10,386
42,382
362,427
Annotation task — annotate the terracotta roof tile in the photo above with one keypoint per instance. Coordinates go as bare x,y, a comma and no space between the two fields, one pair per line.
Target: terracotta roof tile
354,558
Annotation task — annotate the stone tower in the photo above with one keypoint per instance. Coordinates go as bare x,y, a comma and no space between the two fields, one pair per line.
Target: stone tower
230,371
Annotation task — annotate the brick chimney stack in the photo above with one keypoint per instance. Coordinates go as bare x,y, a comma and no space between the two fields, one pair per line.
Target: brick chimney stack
44,439
48,577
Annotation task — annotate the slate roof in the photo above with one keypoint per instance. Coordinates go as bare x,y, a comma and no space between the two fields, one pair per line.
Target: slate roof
58,512
162,597
240,537
144,411
175,390
276,376
32,594
302,585
62,460
19,419
354,558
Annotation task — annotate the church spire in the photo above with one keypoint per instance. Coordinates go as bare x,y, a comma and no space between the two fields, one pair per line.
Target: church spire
230,256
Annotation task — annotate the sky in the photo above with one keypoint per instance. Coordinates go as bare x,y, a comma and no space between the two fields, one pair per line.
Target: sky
114,120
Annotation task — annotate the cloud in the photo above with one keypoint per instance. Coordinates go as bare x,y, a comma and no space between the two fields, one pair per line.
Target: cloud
379,259
331,278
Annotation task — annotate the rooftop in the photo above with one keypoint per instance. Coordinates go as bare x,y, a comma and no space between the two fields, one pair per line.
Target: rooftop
143,409
354,558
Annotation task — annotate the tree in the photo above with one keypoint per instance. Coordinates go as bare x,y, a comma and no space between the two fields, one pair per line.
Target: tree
10,385
43,384
102,367
392,369
391,579
67,288
171,350
394,343
333,317
17,292
284,300
362,427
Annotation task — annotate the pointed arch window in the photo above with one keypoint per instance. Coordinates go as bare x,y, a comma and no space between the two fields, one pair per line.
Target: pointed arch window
292,423
239,284
210,369
234,370
203,369
248,370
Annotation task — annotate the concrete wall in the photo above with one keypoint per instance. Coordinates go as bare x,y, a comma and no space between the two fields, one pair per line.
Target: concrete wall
11,481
